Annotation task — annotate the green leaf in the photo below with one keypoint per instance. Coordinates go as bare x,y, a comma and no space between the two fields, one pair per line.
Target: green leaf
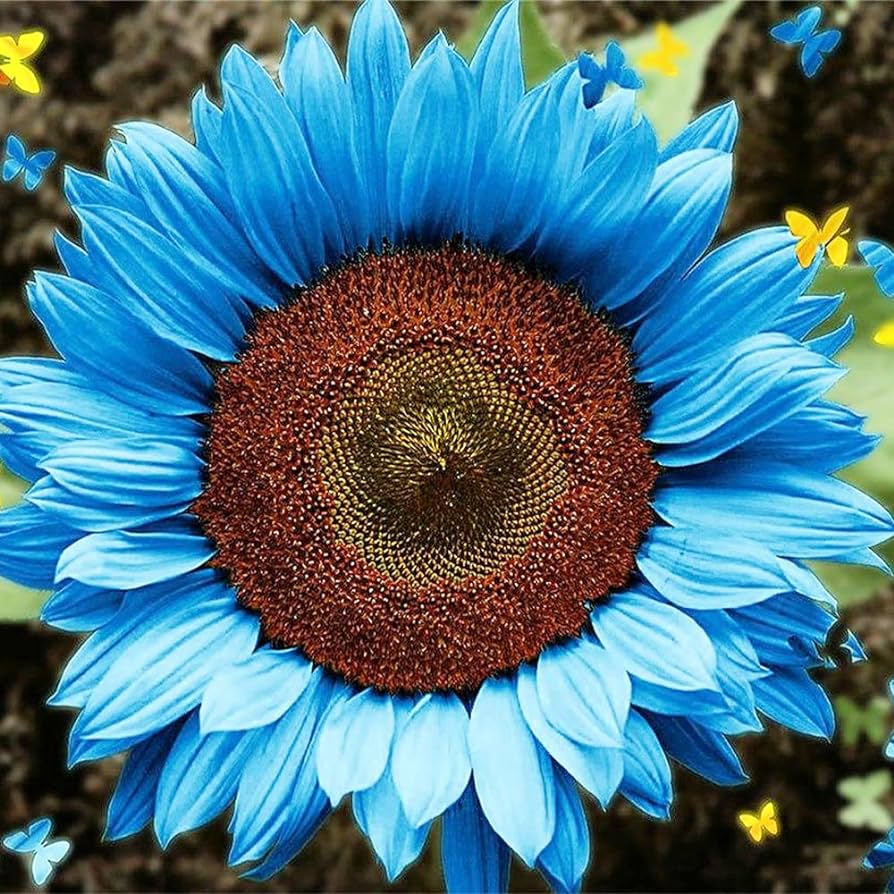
855,721
867,389
17,603
864,809
669,103
540,56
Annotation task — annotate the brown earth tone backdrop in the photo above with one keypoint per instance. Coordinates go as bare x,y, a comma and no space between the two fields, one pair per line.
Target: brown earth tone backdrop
818,147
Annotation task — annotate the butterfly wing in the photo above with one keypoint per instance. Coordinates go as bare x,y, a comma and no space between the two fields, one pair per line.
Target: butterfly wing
16,156
595,79
29,43
23,76
656,60
47,858
769,818
669,42
36,166
752,825
879,256
24,841
8,47
837,250
785,32
884,336
889,747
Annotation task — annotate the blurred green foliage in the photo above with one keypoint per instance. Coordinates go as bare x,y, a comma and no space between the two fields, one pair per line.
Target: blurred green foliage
864,809
871,720
867,389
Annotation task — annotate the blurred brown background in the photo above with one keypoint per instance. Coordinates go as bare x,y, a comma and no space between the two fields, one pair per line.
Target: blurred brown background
817,147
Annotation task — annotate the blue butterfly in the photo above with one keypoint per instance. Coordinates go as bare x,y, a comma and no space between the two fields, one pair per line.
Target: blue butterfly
881,257
35,840
598,77
18,161
816,44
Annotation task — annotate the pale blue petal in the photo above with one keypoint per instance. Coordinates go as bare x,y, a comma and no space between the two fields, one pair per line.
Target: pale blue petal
430,763
128,559
355,742
565,859
76,607
656,642
584,692
255,691
647,780
598,770
513,774
30,545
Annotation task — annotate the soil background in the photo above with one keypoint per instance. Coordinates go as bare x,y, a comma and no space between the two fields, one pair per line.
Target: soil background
815,144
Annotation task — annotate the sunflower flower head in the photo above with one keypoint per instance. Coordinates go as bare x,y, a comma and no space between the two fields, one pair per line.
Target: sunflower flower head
409,445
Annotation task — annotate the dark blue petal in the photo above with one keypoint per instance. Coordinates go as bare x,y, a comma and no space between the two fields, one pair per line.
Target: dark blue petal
474,857
565,859
791,698
702,750
76,607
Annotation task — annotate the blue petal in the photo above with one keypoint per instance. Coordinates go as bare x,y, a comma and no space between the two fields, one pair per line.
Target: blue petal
510,195
598,770
822,436
497,70
474,857
830,344
279,803
715,129
378,65
199,778
62,410
584,692
30,545
396,841
161,670
294,227
565,859
603,200
255,691
702,750
656,642
355,743
98,337
431,147
802,317
647,780
681,215
879,255
736,291
76,607
128,559
102,485
183,188
430,763
513,774
207,119
610,119
768,504
178,299
133,800
763,380
20,453
697,568
791,698
316,92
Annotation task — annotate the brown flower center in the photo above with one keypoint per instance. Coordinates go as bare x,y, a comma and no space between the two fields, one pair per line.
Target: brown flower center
427,467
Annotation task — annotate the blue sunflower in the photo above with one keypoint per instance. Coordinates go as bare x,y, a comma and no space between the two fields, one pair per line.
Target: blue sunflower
408,444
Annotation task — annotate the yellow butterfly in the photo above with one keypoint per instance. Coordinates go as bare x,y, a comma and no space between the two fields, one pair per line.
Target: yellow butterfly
885,335
764,822
662,58
13,53
830,237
